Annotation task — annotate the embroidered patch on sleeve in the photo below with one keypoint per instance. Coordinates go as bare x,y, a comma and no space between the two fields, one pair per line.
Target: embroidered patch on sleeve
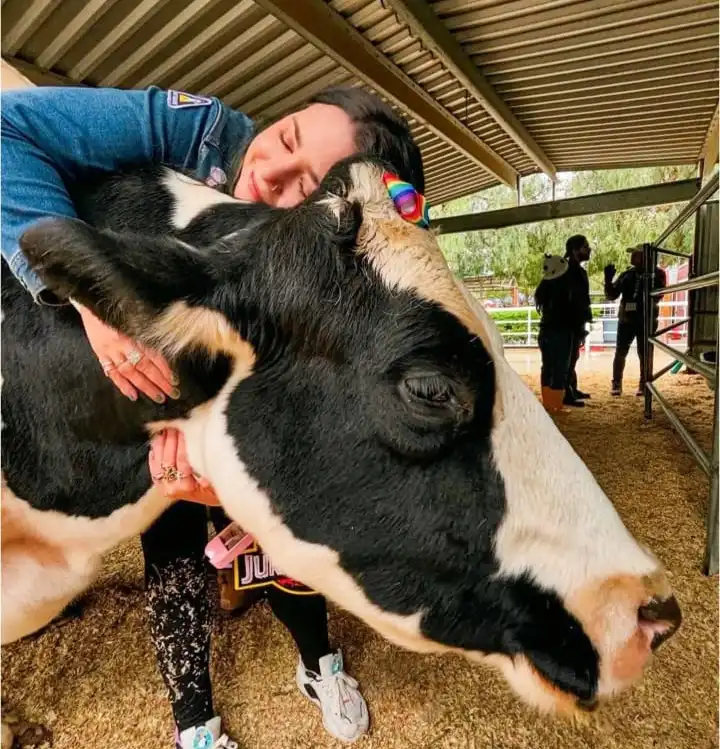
181,100
217,177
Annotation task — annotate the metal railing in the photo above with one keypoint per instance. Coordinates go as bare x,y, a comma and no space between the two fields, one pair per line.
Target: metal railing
519,325
707,461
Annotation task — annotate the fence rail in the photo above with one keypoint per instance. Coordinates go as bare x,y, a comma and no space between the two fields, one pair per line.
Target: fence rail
519,325
708,461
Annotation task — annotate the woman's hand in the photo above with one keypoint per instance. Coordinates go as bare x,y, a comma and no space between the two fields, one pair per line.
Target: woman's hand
172,473
129,365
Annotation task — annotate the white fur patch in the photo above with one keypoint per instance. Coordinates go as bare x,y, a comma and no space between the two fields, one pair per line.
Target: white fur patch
559,525
48,557
191,198
335,205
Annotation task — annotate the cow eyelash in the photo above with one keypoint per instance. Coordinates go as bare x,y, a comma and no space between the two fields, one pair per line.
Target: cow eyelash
433,390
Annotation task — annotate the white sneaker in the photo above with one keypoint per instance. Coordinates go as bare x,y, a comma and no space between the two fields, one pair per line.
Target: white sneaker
344,712
204,737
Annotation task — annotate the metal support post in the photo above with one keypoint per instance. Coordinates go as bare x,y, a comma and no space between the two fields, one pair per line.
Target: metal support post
657,375
649,262
702,458
672,326
690,361
710,565
708,462
699,282
692,295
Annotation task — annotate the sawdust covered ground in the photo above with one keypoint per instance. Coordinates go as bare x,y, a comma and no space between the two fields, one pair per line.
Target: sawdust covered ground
94,681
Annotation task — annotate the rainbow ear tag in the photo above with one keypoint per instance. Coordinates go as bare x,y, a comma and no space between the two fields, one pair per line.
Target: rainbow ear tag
410,204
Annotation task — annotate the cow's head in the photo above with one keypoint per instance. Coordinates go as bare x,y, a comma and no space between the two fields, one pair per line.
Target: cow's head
376,442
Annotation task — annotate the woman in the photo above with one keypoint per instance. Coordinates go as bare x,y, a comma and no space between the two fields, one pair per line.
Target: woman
53,137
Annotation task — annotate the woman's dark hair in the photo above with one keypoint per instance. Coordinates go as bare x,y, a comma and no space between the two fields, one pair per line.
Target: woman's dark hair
379,131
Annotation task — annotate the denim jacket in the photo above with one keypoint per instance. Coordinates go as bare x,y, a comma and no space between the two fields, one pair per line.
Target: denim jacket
52,137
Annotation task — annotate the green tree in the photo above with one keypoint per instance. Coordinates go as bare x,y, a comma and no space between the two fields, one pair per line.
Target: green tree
516,252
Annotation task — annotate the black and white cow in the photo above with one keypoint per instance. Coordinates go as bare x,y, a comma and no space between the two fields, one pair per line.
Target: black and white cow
351,406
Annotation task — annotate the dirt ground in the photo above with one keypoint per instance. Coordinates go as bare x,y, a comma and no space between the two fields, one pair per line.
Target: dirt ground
94,681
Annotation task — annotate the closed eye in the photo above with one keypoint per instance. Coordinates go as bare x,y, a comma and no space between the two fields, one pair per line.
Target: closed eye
437,399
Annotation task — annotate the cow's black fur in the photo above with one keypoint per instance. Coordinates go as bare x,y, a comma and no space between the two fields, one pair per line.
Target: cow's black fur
367,419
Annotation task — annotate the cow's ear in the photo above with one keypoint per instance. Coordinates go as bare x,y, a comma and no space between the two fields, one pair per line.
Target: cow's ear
125,279
69,257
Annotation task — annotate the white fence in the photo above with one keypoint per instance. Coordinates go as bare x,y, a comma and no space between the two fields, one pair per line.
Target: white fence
519,325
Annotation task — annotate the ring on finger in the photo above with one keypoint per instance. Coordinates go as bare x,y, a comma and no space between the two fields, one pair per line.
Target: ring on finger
134,357
170,474
107,366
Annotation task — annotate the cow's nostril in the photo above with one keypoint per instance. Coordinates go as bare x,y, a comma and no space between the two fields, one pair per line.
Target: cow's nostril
661,618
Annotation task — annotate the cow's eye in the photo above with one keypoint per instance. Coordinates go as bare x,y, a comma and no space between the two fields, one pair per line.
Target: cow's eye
436,398
433,389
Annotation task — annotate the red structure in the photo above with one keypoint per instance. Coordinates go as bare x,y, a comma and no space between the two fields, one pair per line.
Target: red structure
675,305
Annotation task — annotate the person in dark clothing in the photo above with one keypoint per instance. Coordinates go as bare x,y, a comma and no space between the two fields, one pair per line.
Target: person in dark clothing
555,339
629,288
577,251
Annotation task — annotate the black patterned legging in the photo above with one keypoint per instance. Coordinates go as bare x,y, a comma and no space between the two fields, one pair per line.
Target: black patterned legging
181,612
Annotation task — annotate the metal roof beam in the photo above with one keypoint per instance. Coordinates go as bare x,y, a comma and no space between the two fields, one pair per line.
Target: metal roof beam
425,25
329,32
87,16
636,163
103,46
35,15
709,155
607,202
38,76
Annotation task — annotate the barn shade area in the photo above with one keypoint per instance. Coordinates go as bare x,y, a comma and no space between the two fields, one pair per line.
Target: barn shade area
494,91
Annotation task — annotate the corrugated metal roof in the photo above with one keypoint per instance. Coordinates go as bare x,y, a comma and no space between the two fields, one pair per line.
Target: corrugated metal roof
596,83
600,82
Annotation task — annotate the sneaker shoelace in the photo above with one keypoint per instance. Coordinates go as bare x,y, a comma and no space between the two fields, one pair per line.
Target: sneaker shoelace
340,685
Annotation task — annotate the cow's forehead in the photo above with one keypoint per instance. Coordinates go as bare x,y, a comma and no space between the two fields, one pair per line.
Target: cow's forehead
404,255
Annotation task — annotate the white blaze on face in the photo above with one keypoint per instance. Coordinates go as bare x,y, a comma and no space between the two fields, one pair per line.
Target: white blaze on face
556,512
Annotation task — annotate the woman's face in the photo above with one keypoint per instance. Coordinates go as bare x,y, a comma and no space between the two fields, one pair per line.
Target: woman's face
285,163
